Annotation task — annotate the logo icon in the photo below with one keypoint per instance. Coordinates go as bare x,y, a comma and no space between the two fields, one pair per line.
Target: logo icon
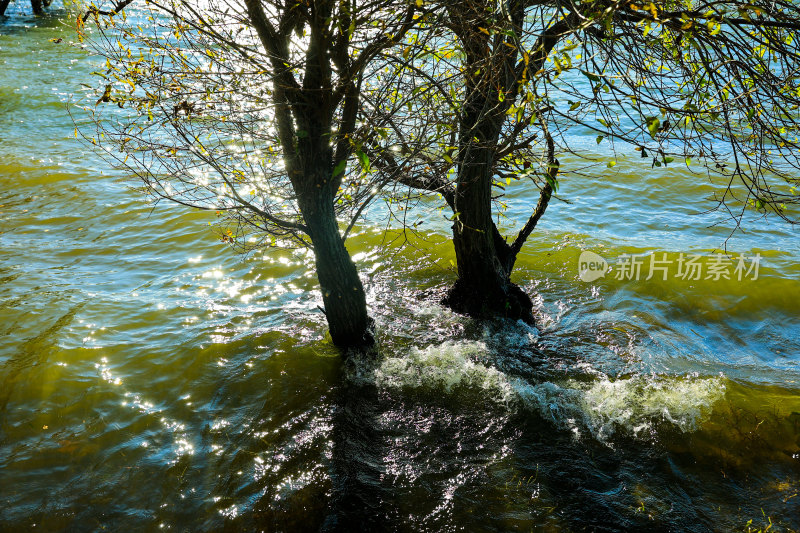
591,266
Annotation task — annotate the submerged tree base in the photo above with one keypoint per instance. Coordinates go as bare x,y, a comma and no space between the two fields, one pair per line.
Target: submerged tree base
348,342
365,341
480,301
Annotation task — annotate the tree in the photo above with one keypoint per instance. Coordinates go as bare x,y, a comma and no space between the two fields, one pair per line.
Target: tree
493,81
711,85
251,110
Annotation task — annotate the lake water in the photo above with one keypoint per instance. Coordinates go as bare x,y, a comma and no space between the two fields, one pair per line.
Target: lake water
152,379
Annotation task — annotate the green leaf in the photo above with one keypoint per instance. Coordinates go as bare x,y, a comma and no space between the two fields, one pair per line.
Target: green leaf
363,159
552,182
611,164
339,169
653,125
600,139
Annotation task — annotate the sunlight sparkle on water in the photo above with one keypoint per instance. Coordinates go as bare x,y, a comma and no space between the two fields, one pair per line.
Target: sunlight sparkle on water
105,372
215,273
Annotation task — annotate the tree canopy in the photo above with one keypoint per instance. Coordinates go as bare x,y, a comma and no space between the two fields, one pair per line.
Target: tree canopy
289,118
710,86
251,110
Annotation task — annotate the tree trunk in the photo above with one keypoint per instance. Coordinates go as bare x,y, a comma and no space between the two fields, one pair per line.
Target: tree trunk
4,6
38,9
342,291
483,288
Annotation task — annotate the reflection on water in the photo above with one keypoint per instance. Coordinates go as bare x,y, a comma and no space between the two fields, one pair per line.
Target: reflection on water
152,380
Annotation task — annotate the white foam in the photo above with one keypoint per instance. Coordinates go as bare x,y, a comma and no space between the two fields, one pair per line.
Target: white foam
448,367
631,406
599,406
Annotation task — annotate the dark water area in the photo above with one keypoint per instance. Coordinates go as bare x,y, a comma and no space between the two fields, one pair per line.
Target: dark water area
151,379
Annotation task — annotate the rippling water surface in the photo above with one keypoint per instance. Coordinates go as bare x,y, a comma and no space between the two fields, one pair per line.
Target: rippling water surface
150,379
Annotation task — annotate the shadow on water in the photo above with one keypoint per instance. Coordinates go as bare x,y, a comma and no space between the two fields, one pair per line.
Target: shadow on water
33,351
360,499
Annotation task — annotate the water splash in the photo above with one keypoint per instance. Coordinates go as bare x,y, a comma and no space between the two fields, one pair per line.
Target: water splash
596,405
450,368
632,406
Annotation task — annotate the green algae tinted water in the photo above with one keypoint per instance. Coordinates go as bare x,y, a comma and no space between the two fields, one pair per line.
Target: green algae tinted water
152,380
